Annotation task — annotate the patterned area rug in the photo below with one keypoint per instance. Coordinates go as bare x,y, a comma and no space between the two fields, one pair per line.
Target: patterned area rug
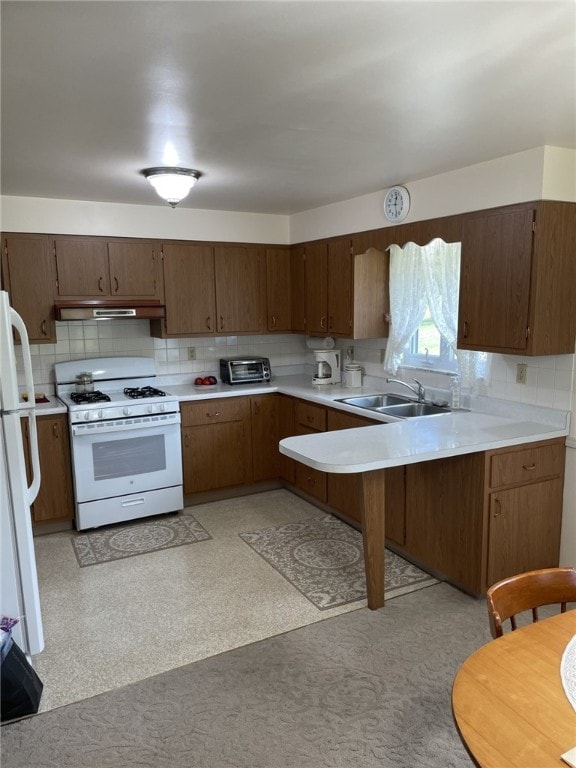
137,538
323,558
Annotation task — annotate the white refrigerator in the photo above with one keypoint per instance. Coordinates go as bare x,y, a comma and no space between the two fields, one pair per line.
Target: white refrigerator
19,595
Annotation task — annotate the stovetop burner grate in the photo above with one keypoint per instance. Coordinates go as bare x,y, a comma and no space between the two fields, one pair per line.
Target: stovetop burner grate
81,398
137,393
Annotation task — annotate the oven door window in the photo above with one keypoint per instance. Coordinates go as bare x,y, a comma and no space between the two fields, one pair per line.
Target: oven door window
128,456
132,461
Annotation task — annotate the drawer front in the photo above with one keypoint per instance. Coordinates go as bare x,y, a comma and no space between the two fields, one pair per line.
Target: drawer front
311,416
215,411
311,481
526,465
341,420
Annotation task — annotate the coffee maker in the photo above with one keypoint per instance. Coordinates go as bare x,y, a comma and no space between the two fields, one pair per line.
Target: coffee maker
327,367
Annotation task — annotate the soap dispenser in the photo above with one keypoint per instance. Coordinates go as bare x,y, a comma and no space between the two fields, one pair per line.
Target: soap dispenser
455,392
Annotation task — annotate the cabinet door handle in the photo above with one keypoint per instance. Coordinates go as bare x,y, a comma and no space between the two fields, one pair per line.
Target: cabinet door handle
221,323
330,322
187,440
213,415
55,431
465,331
498,508
117,284
528,466
323,321
100,284
208,323
273,321
43,328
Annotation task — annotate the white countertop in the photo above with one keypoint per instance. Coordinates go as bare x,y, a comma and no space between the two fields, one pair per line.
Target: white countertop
413,440
489,425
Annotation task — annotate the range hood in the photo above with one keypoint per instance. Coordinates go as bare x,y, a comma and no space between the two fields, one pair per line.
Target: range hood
108,309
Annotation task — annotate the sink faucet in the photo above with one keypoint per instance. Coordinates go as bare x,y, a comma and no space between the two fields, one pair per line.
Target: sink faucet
420,392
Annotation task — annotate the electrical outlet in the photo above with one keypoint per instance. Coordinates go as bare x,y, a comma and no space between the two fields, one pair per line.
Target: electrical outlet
521,373
191,353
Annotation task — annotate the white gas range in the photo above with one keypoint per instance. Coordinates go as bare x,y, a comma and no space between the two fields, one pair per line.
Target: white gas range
125,438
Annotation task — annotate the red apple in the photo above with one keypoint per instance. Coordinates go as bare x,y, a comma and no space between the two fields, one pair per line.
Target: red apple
198,380
213,379
206,380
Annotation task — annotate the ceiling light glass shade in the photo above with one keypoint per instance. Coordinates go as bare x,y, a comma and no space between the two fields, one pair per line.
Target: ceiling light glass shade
172,184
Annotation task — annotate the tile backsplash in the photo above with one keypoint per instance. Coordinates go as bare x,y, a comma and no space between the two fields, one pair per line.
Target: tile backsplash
549,380
111,338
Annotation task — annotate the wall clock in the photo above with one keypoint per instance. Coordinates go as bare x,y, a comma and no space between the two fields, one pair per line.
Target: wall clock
397,204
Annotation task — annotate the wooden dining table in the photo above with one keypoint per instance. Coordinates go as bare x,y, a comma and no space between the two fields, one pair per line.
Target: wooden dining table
508,700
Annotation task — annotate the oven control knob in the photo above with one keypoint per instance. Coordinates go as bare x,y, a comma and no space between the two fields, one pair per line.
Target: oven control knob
126,411
87,415
161,407
150,409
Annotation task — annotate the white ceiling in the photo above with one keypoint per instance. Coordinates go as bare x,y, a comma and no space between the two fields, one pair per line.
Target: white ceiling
283,106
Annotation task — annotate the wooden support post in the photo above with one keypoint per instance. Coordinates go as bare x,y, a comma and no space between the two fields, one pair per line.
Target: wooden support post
373,512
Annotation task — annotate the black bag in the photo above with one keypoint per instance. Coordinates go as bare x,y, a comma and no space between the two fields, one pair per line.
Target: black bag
20,686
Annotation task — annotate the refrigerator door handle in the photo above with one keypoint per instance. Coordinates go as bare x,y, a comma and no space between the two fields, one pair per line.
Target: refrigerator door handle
34,487
30,411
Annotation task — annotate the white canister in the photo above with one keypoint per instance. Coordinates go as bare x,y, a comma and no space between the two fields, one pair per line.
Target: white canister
352,376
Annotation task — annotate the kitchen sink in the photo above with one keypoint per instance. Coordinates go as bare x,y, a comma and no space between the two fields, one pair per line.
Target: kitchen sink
375,402
395,405
414,409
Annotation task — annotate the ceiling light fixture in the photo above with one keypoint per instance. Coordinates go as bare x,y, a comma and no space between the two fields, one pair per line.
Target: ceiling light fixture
172,184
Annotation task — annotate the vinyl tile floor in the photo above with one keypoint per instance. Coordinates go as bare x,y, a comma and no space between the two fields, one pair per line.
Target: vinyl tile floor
112,624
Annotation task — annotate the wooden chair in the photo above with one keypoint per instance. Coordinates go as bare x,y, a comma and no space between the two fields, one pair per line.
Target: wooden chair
528,591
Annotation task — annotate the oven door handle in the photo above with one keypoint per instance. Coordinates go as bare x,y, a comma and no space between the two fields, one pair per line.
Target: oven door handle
94,428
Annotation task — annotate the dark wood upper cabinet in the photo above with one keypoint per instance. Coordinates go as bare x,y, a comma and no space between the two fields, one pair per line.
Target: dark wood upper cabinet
29,277
278,290
518,280
95,267
239,289
189,289
495,280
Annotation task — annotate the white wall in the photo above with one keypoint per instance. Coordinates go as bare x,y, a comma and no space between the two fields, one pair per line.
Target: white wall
541,173
77,217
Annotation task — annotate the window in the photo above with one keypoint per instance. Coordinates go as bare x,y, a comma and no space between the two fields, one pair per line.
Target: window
424,286
428,348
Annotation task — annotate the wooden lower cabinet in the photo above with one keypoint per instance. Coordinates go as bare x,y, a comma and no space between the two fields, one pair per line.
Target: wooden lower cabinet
216,444
481,517
444,517
264,410
229,441
308,420
524,508
55,500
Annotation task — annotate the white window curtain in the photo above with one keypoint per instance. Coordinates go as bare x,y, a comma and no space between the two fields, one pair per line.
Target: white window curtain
407,301
429,275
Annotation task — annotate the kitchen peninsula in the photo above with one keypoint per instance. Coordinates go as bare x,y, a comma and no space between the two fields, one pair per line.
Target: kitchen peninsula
370,451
